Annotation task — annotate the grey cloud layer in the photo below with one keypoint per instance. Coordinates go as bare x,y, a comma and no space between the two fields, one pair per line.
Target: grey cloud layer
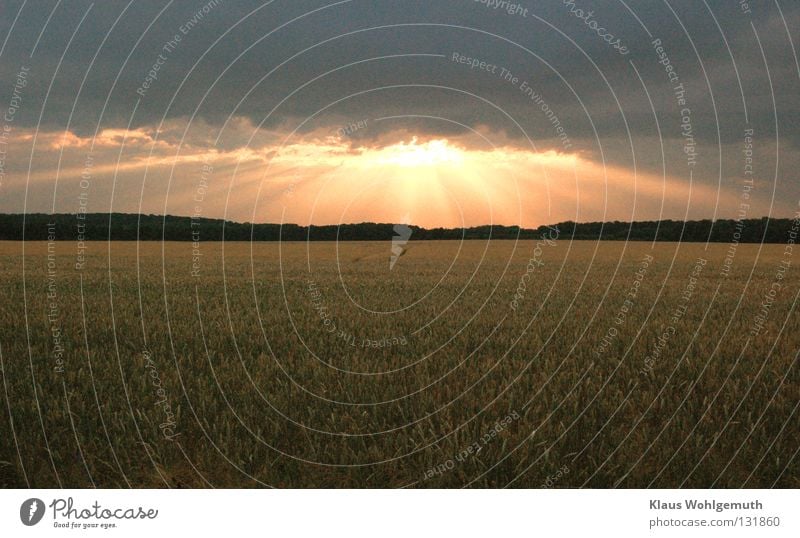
589,67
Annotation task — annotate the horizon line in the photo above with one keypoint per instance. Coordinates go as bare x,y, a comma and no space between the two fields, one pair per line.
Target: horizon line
499,225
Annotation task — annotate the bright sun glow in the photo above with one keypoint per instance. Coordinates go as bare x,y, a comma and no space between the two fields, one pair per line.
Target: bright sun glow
431,153
436,182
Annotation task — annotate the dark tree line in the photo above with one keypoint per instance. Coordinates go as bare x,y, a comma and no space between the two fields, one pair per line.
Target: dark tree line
131,227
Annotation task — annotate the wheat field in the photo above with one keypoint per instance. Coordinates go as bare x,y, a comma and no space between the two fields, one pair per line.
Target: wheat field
533,364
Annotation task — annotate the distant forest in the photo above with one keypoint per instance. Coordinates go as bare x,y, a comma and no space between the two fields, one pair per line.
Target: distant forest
131,227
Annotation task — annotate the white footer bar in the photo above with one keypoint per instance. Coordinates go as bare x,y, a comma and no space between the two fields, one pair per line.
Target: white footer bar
392,513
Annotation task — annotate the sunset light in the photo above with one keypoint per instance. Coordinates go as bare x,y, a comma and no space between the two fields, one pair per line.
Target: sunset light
413,153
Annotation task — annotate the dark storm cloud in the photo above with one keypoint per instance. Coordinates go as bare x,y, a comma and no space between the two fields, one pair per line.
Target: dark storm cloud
589,71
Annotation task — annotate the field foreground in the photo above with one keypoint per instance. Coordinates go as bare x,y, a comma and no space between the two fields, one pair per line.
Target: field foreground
482,364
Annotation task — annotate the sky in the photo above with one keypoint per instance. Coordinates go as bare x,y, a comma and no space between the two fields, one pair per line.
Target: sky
435,113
